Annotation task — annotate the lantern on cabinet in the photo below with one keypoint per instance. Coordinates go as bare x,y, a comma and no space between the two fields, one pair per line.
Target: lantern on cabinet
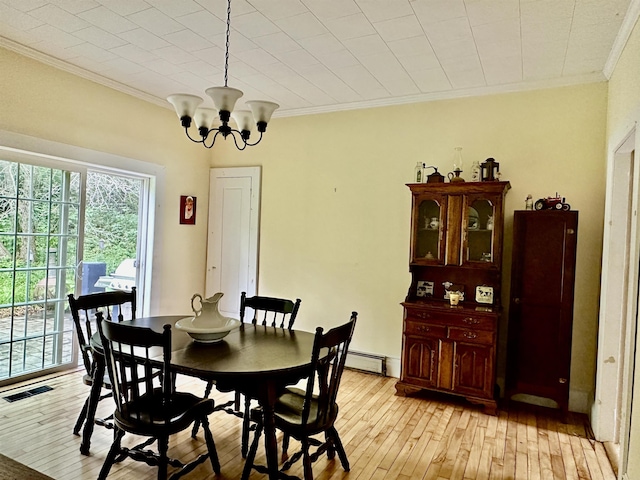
489,170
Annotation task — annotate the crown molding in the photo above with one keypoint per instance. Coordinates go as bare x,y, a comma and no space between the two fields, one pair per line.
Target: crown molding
629,22
449,95
375,103
78,71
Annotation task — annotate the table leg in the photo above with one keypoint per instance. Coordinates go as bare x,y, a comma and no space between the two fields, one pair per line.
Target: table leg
94,398
270,443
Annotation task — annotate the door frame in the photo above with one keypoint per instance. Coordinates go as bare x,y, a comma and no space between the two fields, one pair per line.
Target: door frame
617,331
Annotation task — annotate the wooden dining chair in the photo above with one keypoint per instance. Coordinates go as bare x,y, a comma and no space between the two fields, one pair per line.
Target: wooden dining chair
147,404
114,304
303,414
266,311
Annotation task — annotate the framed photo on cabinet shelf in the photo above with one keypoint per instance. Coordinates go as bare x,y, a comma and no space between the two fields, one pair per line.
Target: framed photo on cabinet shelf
484,294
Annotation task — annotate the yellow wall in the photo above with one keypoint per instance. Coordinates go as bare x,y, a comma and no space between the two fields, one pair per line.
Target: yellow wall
623,116
44,102
335,208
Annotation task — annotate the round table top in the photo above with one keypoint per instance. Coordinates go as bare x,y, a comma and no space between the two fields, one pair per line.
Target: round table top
250,352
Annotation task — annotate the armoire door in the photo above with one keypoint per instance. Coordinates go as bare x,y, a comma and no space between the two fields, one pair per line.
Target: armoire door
541,306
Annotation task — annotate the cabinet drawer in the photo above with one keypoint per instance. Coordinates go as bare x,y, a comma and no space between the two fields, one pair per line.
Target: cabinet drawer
472,336
425,329
467,319
471,321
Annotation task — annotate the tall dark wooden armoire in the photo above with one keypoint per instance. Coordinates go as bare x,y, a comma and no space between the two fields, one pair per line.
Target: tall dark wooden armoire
541,305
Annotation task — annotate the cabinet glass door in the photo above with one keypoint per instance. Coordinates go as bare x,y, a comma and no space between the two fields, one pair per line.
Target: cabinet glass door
479,248
428,231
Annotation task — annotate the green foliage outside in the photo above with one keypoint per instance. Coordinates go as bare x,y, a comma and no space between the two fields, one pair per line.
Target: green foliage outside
33,202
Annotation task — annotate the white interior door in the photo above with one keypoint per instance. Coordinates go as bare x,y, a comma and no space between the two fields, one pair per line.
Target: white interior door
232,245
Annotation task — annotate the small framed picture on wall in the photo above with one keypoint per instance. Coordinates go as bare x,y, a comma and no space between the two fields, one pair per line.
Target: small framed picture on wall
187,210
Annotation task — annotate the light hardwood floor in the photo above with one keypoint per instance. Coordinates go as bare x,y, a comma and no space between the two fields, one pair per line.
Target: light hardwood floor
385,437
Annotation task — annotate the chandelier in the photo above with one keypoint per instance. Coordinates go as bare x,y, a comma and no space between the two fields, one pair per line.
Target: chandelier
224,99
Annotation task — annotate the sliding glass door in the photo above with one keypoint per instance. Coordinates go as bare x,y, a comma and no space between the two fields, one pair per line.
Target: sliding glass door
40,225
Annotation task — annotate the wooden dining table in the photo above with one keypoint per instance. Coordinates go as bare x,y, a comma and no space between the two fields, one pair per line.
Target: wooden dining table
254,360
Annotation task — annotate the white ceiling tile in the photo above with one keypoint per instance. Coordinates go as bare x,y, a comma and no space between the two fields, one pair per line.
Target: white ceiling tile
365,46
253,25
99,37
297,58
54,49
163,67
144,39
482,12
301,26
329,82
121,67
331,9
429,79
92,52
206,70
187,40
502,71
280,9
107,20
389,72
543,10
134,53
17,19
196,83
419,62
398,28
25,5
56,37
174,54
238,68
380,10
20,36
176,9
213,55
203,23
351,26
503,31
256,57
155,21
125,7
410,47
321,44
219,7
340,59
552,31
455,49
276,43
463,79
59,18
77,6
361,81
435,11
238,42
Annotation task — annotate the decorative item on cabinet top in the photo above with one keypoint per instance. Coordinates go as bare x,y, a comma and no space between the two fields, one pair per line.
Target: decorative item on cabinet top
435,177
490,170
552,203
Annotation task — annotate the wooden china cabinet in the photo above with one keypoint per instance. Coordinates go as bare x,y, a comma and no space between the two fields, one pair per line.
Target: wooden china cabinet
456,245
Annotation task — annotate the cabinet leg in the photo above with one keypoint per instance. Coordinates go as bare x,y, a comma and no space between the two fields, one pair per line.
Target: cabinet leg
404,390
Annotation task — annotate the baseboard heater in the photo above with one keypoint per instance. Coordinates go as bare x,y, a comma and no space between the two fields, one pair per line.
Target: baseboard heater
367,362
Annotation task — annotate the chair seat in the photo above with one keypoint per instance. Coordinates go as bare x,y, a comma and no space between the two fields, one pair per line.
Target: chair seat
288,409
149,416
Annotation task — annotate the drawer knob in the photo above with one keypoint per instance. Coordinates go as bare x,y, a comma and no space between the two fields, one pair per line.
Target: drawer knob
423,328
471,321
423,315
470,335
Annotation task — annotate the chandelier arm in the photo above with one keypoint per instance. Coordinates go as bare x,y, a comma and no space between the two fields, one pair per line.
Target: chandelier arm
256,142
213,140
186,130
235,140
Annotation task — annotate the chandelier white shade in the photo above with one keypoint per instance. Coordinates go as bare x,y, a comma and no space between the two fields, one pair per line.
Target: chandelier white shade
224,98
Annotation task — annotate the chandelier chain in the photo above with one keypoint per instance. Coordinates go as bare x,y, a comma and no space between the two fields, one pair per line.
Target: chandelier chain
226,54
